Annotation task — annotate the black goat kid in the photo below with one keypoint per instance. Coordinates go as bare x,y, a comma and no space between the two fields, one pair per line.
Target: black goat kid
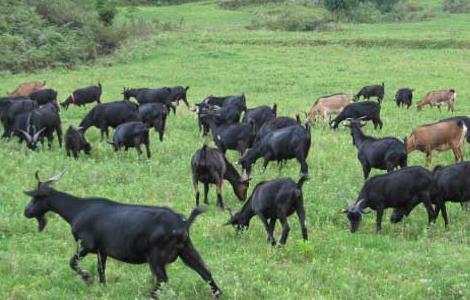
381,153
273,200
133,234
209,166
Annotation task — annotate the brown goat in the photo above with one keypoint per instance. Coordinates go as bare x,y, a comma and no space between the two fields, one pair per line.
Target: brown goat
438,98
27,88
438,136
327,106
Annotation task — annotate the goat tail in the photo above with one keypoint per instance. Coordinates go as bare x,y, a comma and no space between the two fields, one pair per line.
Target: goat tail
100,86
192,217
301,181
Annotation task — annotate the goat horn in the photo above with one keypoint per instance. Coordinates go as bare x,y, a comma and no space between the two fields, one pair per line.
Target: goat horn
37,176
36,135
56,177
26,135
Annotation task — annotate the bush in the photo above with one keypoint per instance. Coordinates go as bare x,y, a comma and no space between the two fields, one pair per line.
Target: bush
106,11
57,33
340,6
233,4
457,6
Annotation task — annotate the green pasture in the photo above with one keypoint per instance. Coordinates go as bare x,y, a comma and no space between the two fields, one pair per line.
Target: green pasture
214,53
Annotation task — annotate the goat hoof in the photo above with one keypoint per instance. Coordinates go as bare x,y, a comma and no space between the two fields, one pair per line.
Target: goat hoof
87,278
217,294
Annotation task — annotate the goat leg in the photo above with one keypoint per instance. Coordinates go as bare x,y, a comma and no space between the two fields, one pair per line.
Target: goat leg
285,230
74,265
192,259
102,267
378,221
160,272
206,192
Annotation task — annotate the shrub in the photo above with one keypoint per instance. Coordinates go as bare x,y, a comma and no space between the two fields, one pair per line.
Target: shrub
106,11
233,4
338,6
457,6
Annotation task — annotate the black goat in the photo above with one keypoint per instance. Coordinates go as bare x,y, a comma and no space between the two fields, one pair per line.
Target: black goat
179,93
154,115
111,114
9,109
238,137
402,190
282,144
450,183
371,91
44,96
209,166
46,120
365,111
239,101
404,97
133,234
271,201
146,95
84,96
23,130
260,115
380,153
275,124
75,142
132,135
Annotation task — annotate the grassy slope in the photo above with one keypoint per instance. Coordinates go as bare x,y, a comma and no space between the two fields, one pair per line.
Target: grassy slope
406,261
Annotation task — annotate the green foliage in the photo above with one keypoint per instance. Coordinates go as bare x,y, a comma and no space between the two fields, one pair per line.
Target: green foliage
457,6
234,4
340,5
54,33
106,11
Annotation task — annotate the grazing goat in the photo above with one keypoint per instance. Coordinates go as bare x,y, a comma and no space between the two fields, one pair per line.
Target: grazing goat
271,201
239,101
146,95
259,115
385,153
44,96
209,166
9,109
327,106
75,142
25,89
154,115
404,97
275,124
179,93
402,190
279,145
238,137
371,91
365,111
84,96
111,114
132,134
44,120
438,136
438,98
135,234
450,183
23,130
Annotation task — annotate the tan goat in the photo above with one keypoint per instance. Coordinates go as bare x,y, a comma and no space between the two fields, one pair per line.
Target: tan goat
438,98
27,88
438,136
327,106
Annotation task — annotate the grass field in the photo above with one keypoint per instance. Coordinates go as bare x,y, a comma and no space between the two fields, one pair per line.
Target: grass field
213,53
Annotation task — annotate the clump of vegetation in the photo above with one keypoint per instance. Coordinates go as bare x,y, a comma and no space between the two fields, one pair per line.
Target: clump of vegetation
234,4
57,33
457,6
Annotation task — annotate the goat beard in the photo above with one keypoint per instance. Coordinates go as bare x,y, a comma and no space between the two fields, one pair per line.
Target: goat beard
42,222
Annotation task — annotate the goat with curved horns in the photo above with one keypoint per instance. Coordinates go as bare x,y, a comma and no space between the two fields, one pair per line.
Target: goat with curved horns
134,234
